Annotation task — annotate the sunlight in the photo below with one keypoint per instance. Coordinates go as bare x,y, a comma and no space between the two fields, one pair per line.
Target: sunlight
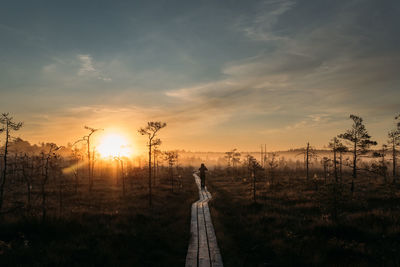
114,145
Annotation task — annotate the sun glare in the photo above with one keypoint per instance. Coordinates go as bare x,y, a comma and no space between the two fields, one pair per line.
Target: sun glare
114,145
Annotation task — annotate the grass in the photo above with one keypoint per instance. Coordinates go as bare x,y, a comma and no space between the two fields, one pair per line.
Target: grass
292,223
103,228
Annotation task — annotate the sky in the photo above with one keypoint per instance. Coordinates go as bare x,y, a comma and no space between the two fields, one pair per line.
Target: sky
222,74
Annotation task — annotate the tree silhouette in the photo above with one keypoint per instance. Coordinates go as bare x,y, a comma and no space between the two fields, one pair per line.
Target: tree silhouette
151,131
86,139
272,165
325,161
380,168
27,169
8,125
394,142
233,158
76,158
337,147
253,167
341,148
120,161
309,153
156,153
171,157
360,140
46,160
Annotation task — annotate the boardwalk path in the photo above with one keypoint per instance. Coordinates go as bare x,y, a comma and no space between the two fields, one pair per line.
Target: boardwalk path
203,248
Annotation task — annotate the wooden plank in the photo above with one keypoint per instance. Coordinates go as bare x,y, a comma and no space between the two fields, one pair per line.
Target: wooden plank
191,256
209,195
204,257
204,196
203,249
215,255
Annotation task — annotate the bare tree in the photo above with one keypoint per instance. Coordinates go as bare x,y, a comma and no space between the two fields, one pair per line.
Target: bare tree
120,161
272,165
253,166
326,163
46,160
151,131
341,148
308,153
171,157
8,125
76,158
28,171
337,147
380,168
264,157
336,188
233,158
360,140
247,164
333,146
58,175
156,153
394,142
90,158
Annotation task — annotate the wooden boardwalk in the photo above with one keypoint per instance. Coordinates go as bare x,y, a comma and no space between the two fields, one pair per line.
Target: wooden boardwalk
203,248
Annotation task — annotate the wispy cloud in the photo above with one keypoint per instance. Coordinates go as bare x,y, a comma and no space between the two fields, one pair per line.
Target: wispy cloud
317,77
289,67
86,65
87,68
261,25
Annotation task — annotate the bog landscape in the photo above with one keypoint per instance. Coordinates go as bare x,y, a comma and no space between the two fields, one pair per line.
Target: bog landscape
210,133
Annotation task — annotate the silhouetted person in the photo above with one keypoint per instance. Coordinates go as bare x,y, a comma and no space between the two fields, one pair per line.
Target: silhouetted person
203,170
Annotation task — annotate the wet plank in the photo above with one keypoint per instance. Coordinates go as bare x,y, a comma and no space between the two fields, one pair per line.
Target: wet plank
203,248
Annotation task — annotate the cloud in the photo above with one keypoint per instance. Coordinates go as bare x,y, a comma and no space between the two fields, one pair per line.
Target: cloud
86,65
87,68
260,27
316,76
274,66
49,68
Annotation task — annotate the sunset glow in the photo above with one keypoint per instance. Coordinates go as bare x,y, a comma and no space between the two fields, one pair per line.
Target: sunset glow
114,145
131,128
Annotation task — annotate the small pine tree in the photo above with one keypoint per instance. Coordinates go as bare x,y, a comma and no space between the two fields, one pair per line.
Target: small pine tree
360,141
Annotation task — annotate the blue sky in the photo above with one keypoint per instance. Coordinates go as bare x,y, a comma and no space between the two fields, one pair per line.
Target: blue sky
223,74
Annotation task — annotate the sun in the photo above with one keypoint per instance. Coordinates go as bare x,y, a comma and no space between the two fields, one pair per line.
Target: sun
114,145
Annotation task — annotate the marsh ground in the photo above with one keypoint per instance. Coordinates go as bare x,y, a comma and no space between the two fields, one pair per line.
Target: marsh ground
103,228
291,224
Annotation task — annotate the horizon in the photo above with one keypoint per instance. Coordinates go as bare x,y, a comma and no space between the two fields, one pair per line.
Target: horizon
243,152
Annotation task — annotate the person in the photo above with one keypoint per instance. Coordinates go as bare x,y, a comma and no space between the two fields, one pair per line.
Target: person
203,170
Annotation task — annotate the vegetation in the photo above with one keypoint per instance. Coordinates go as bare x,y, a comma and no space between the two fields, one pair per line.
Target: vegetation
106,227
360,142
295,223
277,210
151,131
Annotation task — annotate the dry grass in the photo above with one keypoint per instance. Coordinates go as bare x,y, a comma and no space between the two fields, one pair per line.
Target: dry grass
103,228
292,223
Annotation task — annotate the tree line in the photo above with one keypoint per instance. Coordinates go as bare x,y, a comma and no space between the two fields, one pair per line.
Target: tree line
355,141
48,168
